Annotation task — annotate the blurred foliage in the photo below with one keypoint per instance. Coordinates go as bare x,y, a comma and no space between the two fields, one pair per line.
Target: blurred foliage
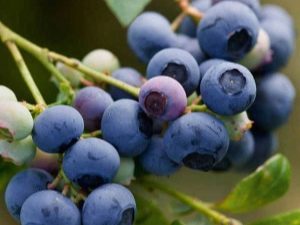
75,27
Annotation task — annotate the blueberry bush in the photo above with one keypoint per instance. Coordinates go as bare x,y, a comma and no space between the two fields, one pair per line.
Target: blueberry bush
210,100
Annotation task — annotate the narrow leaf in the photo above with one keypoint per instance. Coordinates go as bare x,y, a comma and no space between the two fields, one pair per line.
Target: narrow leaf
291,218
149,213
268,183
127,10
177,222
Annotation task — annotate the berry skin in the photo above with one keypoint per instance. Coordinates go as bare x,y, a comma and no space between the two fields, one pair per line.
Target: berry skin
163,98
228,89
191,45
129,76
16,121
23,185
7,94
178,64
188,25
155,160
275,12
48,208
228,30
254,5
57,128
91,103
282,44
102,61
148,34
91,162
239,153
265,146
19,152
110,204
127,127
274,102
72,75
197,140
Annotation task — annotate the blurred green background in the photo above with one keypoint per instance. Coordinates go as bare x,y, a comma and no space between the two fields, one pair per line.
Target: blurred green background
75,27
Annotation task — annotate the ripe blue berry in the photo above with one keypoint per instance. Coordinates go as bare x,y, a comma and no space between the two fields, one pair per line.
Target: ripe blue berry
57,128
148,34
91,162
197,140
265,145
155,159
110,204
191,45
16,121
254,5
129,76
274,102
228,89
163,98
48,208
127,127
23,185
178,64
101,60
228,30
188,25
7,94
239,153
275,12
91,103
282,44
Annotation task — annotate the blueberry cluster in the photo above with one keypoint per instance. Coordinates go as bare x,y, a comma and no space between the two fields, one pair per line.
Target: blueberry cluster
192,110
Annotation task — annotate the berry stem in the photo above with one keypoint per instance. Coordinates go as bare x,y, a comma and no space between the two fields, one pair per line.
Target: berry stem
26,75
177,21
96,133
194,203
196,108
55,182
47,58
193,12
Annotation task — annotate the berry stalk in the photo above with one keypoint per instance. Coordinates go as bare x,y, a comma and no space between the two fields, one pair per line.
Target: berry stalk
26,75
197,205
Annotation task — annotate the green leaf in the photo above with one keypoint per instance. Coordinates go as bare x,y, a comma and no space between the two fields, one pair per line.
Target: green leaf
148,212
180,208
127,10
266,184
7,170
290,218
177,222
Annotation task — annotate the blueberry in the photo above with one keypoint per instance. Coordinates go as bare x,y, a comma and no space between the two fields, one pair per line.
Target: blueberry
57,128
265,145
7,94
205,66
282,44
178,64
16,121
127,127
72,75
197,140
19,152
148,34
275,12
21,186
101,60
48,208
155,160
163,98
228,30
228,89
188,25
129,76
260,54
91,162
254,5
91,103
191,45
239,153
274,102
110,204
